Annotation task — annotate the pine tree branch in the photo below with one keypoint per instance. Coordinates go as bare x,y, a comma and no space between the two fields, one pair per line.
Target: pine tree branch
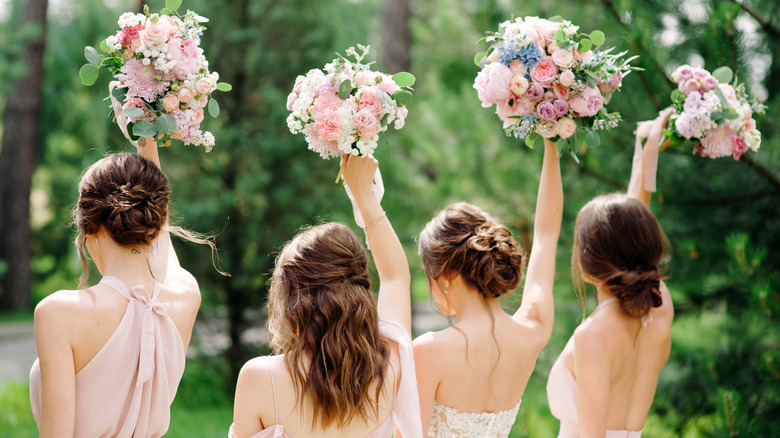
762,170
766,25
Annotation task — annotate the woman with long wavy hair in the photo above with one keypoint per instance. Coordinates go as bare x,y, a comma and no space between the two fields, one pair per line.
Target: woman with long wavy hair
343,365
604,381
471,376
110,356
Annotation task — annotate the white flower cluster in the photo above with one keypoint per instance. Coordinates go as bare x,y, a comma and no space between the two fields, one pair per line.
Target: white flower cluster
130,19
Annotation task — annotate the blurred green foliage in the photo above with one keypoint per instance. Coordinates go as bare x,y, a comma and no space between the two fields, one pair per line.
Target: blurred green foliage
260,184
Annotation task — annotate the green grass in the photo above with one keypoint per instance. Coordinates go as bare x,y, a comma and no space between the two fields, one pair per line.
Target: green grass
16,420
15,316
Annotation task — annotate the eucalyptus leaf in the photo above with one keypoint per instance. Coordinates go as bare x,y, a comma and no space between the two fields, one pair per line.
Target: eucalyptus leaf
717,116
677,95
165,123
167,11
345,89
119,94
224,86
133,112
144,128
404,79
104,46
172,4
722,96
597,37
88,74
592,139
585,45
560,35
402,97
479,57
724,75
92,55
532,139
213,108
731,114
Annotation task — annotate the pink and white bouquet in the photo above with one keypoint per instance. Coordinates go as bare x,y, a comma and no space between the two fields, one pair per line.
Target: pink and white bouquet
716,115
163,79
548,80
343,108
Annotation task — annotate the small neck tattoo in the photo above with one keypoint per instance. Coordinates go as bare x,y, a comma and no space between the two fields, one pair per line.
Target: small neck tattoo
142,142
136,251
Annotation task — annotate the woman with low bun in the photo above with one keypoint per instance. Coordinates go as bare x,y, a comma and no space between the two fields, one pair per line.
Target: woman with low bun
110,356
604,381
344,363
471,376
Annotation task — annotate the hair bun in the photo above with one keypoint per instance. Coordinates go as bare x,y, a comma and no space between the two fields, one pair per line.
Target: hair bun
638,290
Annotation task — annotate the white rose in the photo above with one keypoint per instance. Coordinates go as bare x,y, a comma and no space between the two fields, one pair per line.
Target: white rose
519,84
547,128
563,58
566,127
753,139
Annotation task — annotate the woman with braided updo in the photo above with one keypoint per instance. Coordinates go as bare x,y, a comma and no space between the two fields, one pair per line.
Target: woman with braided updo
604,381
111,356
472,375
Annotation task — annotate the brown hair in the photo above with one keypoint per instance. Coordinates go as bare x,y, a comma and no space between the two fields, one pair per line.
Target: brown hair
128,196
321,310
619,244
462,239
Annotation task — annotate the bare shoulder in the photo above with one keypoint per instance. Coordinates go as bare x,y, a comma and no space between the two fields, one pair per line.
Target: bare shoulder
597,335
63,308
183,285
435,344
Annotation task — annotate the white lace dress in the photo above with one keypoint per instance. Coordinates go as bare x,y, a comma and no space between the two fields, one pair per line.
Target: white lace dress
451,423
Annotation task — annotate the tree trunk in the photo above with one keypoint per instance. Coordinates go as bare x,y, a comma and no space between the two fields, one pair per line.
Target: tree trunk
17,162
396,36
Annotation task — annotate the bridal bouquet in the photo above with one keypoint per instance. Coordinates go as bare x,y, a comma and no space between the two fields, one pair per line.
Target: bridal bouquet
548,80
163,82
715,114
343,108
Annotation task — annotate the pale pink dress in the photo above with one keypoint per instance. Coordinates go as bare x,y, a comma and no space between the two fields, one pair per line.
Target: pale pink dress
405,414
126,390
562,397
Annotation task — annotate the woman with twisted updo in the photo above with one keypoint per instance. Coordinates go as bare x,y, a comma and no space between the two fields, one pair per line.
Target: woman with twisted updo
604,381
471,376
111,356
344,365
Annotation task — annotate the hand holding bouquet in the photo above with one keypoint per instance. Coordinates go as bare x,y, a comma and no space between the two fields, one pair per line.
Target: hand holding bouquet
342,109
163,80
549,81
714,113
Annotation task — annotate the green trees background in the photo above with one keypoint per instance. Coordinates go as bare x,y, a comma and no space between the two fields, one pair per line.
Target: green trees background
260,184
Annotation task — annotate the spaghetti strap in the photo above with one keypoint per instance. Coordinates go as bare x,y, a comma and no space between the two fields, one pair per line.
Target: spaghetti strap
604,303
273,388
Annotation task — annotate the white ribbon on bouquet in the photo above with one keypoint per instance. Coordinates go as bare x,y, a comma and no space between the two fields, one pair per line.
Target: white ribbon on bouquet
652,131
379,191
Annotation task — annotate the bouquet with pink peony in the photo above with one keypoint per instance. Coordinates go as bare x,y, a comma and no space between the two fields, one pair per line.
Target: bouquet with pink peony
343,108
547,80
715,114
163,83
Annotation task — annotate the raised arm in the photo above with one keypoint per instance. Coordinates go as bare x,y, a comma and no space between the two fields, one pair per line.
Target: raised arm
389,257
537,306
645,161
162,258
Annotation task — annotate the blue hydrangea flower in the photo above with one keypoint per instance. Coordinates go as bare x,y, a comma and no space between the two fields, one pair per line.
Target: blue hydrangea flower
528,55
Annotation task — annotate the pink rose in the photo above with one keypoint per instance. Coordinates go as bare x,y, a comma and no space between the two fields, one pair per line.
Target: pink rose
682,73
156,33
519,84
170,103
688,86
291,98
561,107
546,110
616,80
535,91
364,78
588,103
549,95
326,102
700,73
203,86
728,91
370,101
547,128
749,124
566,127
563,58
388,85
560,91
185,95
545,71
136,44
328,125
739,146
202,101
492,84
137,103
366,123
604,87
709,83
316,143
583,56
518,68
198,116
567,78
128,34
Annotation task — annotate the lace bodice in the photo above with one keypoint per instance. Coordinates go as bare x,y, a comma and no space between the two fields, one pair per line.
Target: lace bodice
451,423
